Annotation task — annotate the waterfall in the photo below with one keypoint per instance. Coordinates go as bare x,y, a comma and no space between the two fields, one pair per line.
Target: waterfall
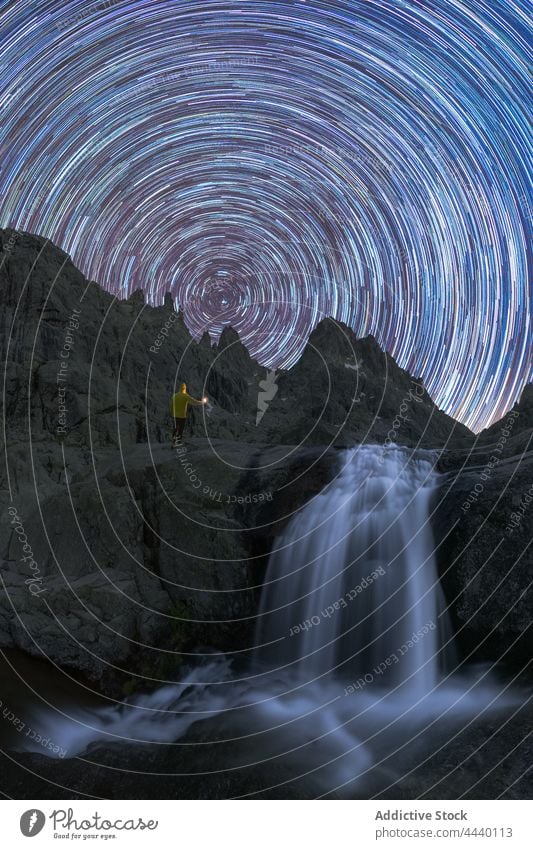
352,585
351,676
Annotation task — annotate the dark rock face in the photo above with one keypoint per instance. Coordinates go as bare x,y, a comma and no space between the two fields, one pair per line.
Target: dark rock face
294,476
483,523
135,568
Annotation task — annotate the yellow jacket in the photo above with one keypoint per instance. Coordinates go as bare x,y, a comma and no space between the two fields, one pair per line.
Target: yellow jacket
179,404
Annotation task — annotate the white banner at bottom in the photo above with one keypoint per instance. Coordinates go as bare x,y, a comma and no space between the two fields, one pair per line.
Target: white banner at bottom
264,824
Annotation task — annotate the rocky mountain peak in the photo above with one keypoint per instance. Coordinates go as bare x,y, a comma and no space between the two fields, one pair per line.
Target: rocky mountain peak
232,353
205,341
228,337
331,337
136,299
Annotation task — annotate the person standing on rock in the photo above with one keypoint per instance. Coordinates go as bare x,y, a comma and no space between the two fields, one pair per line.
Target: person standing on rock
178,410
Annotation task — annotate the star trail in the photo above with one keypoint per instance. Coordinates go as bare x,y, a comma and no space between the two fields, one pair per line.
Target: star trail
271,164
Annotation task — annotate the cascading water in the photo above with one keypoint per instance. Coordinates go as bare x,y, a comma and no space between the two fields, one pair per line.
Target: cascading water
353,579
352,644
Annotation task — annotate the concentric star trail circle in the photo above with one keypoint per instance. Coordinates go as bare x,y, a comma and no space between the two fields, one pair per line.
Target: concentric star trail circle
274,163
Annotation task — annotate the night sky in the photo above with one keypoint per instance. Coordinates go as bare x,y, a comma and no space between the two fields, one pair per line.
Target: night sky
275,163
